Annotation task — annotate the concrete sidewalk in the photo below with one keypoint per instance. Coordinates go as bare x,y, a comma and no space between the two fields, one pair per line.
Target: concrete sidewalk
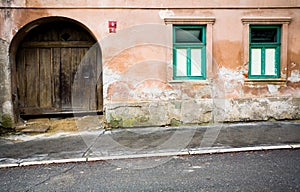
24,149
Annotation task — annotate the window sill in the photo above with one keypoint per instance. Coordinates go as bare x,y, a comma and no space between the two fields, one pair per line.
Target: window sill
199,82
279,81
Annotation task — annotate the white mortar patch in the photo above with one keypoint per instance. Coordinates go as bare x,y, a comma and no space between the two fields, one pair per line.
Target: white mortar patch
273,88
165,13
295,76
7,107
229,75
230,79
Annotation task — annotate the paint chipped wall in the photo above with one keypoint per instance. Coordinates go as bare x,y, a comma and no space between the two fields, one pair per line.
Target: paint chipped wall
152,4
227,95
6,111
137,60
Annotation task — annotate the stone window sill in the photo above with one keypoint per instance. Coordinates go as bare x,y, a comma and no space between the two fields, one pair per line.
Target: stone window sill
265,81
195,82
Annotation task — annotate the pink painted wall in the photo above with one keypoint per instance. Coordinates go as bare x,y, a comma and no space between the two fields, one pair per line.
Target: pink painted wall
135,70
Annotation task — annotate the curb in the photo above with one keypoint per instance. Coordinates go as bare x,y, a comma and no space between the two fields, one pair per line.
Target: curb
195,151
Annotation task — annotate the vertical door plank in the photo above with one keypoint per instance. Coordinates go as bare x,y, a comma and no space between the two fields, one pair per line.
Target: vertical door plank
76,77
32,74
99,91
93,78
21,78
65,77
45,99
85,79
56,78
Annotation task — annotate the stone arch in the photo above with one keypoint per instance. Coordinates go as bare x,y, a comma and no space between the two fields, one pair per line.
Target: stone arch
44,56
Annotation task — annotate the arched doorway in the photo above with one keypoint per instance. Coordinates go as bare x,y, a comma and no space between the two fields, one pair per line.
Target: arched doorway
46,62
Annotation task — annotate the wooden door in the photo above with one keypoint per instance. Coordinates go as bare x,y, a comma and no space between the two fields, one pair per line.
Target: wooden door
48,60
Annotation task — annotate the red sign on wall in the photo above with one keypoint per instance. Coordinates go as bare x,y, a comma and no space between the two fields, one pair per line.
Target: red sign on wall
112,25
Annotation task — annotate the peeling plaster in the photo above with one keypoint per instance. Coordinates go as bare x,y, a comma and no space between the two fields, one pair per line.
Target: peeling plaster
260,109
293,64
230,75
153,90
295,76
273,88
7,106
165,13
233,81
5,74
109,77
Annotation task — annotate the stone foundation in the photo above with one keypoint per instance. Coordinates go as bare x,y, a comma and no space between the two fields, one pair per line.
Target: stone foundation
193,112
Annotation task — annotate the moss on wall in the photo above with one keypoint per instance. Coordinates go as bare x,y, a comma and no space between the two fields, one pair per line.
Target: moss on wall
175,122
119,121
6,120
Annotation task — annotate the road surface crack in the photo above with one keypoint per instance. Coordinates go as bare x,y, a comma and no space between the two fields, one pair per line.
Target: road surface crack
88,150
50,177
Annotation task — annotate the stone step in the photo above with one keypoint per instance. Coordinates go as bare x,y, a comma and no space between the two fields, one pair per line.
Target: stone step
35,128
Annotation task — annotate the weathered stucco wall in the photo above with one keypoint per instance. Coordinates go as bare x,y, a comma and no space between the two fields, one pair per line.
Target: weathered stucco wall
154,3
137,60
6,110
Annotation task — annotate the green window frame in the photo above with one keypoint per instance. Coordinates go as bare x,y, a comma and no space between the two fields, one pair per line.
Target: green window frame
264,51
189,52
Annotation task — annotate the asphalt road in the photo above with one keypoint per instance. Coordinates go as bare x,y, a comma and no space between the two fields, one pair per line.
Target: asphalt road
247,171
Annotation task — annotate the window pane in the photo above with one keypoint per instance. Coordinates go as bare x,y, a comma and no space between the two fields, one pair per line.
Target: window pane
261,35
188,35
270,62
255,61
195,62
181,62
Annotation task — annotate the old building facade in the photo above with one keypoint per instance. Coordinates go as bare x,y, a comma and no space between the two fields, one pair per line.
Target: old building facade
155,63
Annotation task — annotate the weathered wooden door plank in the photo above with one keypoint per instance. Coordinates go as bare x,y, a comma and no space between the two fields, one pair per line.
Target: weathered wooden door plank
65,78
99,87
45,78
21,78
32,74
56,96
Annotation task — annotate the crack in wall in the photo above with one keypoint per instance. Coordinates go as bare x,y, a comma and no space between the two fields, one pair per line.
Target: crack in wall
126,106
